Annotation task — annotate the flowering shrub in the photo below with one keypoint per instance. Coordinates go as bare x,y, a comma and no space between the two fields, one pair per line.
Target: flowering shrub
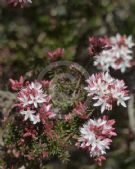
29,36
50,117
40,131
37,133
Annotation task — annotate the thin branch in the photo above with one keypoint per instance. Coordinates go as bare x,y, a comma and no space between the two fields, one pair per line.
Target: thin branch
131,113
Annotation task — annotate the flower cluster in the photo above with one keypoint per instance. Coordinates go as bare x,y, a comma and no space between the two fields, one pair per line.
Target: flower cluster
118,57
56,53
81,110
97,45
20,3
15,84
34,104
36,121
105,90
95,137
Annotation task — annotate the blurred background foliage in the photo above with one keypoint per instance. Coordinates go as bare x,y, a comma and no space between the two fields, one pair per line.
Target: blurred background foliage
27,34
